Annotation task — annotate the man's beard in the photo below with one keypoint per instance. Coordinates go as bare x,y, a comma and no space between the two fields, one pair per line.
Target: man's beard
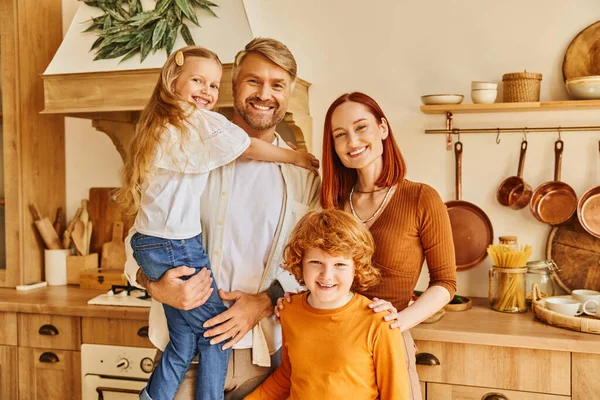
244,109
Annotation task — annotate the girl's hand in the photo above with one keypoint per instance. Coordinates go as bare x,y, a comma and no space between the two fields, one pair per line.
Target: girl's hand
306,160
379,305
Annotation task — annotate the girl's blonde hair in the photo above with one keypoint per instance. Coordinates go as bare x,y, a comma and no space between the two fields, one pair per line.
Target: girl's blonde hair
163,108
336,233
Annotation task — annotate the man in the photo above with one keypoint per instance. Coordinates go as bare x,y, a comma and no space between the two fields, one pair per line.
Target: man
248,209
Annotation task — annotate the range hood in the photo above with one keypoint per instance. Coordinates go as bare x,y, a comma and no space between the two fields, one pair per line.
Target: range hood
112,93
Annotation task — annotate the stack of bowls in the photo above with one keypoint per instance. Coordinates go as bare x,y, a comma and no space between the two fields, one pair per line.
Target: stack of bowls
484,92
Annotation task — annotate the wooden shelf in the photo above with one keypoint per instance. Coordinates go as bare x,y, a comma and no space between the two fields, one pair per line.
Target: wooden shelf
512,107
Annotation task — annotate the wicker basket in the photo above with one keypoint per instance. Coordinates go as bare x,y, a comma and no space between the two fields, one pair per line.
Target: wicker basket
521,87
581,323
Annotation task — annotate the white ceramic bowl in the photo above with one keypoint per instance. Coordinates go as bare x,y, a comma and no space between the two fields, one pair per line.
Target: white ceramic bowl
484,96
563,306
584,88
483,85
432,99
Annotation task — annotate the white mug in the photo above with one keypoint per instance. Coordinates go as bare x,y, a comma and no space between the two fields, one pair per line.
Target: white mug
583,295
593,313
564,306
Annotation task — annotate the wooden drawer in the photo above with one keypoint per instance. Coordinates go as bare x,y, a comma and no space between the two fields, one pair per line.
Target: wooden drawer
539,371
8,328
116,332
49,331
438,391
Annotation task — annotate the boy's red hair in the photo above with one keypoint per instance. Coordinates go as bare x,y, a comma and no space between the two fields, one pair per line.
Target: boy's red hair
338,234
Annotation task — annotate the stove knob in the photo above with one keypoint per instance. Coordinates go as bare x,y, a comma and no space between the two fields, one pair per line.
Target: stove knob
147,364
123,363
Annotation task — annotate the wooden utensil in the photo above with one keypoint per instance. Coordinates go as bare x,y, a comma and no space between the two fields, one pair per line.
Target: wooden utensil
78,237
582,57
85,217
58,220
66,239
45,228
113,252
104,211
577,255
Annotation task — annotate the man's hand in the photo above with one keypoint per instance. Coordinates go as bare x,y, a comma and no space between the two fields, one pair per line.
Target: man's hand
246,311
183,295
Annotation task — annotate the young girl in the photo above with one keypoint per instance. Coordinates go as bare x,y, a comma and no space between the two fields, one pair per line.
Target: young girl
178,141
334,346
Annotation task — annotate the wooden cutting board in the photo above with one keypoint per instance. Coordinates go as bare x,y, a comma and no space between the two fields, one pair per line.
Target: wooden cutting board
113,252
577,255
104,211
583,54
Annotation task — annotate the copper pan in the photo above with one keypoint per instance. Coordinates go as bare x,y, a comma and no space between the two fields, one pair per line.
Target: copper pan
471,228
514,192
554,202
588,210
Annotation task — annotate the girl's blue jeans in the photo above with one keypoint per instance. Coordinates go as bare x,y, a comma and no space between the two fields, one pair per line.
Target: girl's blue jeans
156,256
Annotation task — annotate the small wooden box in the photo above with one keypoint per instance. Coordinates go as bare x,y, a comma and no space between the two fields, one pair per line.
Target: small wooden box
102,279
77,264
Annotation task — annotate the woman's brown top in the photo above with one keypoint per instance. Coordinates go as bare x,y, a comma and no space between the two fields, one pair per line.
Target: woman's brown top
413,227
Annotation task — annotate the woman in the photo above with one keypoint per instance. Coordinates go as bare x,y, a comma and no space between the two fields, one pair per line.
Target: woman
363,174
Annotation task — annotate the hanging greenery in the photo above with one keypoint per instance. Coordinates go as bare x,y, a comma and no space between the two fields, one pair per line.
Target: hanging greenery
126,29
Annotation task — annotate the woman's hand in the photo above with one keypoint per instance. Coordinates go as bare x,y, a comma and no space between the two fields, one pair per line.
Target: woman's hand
287,297
379,305
306,160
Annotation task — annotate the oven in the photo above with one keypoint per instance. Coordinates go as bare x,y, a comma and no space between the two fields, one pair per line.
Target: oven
114,372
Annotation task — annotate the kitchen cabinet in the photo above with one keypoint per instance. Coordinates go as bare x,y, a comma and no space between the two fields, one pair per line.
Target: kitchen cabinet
49,374
33,161
480,353
8,372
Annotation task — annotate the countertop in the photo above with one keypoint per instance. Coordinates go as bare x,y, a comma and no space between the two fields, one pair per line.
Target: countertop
64,300
479,325
482,325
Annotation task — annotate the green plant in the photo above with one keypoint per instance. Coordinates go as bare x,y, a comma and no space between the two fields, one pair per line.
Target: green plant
126,29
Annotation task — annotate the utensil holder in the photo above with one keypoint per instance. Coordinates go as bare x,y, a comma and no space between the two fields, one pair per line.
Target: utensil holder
78,264
55,266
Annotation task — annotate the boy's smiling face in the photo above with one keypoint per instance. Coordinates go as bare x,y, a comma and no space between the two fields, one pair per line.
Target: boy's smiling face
329,278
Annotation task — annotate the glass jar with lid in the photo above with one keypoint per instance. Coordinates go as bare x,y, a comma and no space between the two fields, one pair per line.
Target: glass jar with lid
510,242
540,272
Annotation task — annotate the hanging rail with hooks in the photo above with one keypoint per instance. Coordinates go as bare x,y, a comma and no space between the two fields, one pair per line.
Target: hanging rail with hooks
451,130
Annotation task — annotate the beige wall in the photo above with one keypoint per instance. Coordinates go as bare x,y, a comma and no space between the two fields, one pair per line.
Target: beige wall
397,51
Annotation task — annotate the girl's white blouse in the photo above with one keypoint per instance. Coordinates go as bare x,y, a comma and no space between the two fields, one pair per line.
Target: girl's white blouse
170,206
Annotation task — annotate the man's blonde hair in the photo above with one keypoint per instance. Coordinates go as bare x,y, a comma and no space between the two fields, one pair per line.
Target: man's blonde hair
271,49
338,234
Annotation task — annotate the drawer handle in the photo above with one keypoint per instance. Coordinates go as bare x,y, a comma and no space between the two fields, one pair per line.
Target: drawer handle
48,330
494,396
143,331
48,357
427,359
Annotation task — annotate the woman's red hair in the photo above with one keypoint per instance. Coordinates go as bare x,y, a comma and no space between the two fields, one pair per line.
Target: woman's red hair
337,179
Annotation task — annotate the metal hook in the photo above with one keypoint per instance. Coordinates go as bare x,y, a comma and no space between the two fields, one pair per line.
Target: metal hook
457,133
524,138
558,129
498,140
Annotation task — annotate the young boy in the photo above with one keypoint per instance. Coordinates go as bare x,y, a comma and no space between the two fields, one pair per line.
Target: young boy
334,346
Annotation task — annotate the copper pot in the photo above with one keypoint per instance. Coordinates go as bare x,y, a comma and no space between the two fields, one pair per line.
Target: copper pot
554,202
471,228
514,192
588,209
